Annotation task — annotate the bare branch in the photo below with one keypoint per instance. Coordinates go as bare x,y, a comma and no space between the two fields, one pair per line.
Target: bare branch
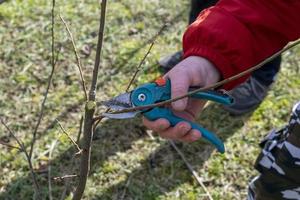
10,146
145,56
79,65
64,193
89,114
67,170
92,94
53,62
98,120
126,186
68,135
189,166
23,149
215,85
49,169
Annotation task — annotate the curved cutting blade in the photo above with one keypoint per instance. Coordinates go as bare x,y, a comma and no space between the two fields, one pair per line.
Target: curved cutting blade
119,103
120,115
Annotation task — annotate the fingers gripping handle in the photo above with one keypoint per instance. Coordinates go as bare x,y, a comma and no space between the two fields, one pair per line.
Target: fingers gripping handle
157,113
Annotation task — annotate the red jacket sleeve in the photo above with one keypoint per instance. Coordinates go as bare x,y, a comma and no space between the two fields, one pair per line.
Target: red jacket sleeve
237,34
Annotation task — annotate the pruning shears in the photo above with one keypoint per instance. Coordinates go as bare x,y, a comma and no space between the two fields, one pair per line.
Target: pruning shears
158,91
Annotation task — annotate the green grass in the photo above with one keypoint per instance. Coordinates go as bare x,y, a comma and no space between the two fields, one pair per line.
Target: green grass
125,160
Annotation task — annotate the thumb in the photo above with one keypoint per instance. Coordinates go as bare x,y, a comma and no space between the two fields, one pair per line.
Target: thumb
179,86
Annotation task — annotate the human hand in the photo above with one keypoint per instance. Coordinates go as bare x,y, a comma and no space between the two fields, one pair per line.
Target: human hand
192,71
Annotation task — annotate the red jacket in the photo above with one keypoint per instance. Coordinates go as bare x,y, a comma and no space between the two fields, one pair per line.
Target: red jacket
237,34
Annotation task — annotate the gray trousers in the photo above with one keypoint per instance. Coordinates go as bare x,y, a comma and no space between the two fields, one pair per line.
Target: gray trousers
279,164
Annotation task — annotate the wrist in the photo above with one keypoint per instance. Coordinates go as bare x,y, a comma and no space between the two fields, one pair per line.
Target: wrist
212,73
204,72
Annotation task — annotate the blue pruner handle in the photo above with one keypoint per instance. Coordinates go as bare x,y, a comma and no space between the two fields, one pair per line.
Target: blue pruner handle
216,96
211,95
158,112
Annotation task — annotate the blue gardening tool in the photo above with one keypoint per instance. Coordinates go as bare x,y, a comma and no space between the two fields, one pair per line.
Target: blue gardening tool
159,91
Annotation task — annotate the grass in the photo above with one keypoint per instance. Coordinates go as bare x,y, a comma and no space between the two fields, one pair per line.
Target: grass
126,162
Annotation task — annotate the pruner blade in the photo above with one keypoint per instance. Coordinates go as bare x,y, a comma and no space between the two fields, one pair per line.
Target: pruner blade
118,103
120,115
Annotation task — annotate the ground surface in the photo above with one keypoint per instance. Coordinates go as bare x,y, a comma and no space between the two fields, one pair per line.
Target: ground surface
126,162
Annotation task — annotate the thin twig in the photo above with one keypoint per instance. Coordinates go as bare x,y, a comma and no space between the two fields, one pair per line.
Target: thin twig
49,169
23,149
10,146
64,193
215,85
48,84
98,120
138,68
68,135
92,93
126,186
67,170
79,65
190,167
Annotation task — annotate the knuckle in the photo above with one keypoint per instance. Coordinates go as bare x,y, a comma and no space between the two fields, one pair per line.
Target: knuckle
179,88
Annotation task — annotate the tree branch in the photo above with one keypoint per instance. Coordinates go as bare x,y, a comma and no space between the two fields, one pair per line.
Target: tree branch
10,146
138,68
89,113
53,62
23,149
189,166
68,135
79,65
49,169
92,94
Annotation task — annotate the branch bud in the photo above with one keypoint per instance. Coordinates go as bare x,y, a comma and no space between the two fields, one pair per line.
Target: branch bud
90,105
